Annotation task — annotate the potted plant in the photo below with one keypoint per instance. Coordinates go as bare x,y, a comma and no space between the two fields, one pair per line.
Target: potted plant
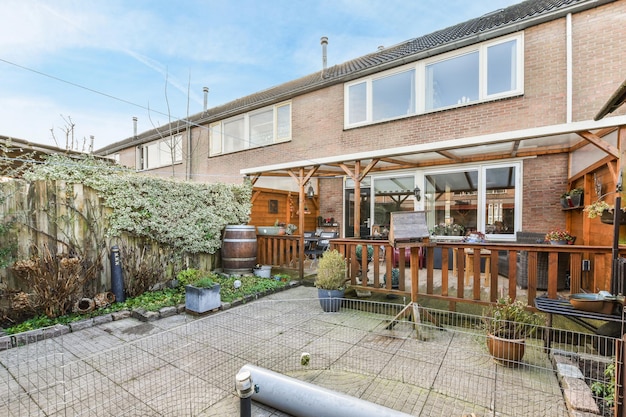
596,209
564,200
457,229
576,197
330,280
395,278
507,324
572,198
202,292
440,229
560,237
262,271
359,252
605,211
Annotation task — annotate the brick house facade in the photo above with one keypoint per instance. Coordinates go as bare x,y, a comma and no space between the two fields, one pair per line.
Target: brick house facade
571,61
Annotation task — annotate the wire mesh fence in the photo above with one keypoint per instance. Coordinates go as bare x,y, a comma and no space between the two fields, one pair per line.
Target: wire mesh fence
425,362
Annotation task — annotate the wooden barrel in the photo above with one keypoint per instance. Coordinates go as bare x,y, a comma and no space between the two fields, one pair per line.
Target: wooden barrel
239,247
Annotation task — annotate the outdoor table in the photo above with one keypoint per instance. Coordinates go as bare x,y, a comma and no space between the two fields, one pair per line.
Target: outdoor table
563,307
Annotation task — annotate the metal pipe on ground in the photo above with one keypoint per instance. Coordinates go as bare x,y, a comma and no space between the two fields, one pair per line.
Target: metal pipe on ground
303,399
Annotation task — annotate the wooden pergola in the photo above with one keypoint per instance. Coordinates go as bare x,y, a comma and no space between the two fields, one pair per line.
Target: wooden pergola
554,139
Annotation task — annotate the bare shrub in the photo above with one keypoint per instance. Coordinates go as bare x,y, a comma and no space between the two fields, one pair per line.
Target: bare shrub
142,268
56,280
15,307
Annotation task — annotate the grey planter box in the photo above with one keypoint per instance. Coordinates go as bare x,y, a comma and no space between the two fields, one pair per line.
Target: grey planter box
201,300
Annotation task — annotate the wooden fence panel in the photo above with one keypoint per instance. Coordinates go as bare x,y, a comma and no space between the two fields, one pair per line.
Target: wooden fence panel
71,219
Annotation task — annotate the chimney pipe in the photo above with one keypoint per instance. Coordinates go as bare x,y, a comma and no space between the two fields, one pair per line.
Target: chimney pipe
91,143
135,127
206,96
324,42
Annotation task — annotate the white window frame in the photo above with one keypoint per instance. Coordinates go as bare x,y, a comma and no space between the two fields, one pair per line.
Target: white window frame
482,214
420,81
163,154
217,138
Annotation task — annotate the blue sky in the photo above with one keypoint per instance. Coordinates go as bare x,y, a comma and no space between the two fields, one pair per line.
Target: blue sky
99,63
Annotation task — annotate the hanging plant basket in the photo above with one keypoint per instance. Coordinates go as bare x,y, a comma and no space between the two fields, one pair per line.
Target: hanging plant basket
607,217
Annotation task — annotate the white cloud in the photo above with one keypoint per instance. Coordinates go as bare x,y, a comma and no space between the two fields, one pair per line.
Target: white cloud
126,49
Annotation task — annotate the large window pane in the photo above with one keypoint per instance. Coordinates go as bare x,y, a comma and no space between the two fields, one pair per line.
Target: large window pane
284,122
215,139
453,81
393,96
166,152
392,194
234,138
500,200
357,95
152,156
452,202
502,68
262,128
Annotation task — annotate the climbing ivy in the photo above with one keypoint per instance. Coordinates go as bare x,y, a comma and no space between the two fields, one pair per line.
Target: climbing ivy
187,216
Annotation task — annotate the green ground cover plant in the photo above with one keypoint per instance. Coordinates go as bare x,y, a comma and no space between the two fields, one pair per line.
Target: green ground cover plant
155,300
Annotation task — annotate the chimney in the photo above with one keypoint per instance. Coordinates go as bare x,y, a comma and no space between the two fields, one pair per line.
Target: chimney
91,140
324,42
206,97
135,127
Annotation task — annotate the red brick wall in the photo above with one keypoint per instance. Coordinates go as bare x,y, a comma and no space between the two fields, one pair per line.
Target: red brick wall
331,205
544,180
599,58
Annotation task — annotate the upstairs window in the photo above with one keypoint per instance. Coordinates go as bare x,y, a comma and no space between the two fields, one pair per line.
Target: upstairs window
454,81
251,130
393,96
477,73
502,68
160,153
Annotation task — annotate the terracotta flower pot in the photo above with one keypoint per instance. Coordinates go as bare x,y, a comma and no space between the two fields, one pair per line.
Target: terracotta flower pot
508,352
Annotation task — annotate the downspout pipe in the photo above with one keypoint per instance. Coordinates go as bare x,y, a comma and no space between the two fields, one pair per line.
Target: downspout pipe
303,399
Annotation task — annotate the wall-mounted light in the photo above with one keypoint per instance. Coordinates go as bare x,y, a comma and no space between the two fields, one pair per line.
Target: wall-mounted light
417,193
310,192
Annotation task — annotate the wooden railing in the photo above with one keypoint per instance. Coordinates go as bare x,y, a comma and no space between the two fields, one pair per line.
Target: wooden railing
277,250
456,281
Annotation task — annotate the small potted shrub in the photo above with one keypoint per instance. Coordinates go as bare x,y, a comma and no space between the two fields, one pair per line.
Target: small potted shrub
507,324
202,292
331,280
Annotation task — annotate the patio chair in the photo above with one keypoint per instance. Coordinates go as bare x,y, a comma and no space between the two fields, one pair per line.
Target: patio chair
322,244
309,244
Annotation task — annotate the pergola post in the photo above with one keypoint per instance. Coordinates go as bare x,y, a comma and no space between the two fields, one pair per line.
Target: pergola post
301,179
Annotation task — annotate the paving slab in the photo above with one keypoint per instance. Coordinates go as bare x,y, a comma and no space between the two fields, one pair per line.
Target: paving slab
186,365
